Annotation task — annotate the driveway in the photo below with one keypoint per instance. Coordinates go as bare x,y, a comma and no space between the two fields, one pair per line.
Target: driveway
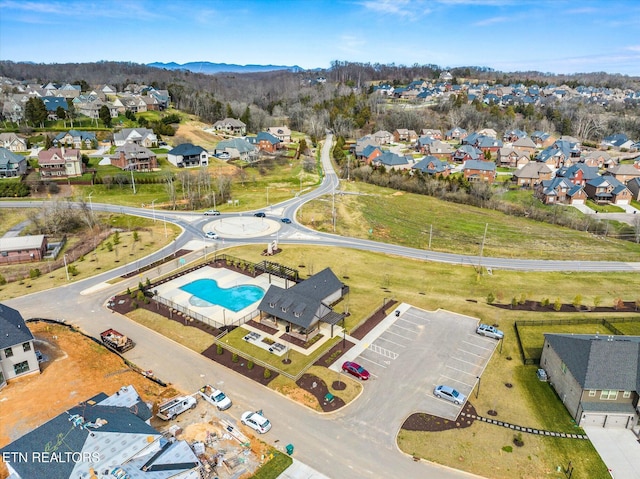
619,449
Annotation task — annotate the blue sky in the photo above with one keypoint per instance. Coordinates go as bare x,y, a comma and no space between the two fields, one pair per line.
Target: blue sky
554,36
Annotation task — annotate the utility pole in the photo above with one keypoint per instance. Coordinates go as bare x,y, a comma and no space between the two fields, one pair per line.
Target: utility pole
484,237
333,209
153,208
90,202
430,234
66,268
133,182
268,195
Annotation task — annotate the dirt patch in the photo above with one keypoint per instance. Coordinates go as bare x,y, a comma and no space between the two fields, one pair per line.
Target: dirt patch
623,307
426,422
76,368
193,132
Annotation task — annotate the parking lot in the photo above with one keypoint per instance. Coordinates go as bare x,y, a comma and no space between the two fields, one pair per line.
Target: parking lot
410,354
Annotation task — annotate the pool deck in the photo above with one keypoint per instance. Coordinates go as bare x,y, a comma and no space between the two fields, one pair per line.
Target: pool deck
225,279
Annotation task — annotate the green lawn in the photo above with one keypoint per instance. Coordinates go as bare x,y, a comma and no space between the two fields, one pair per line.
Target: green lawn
418,221
604,208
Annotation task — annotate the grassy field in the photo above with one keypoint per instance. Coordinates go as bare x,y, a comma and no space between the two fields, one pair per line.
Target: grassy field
418,221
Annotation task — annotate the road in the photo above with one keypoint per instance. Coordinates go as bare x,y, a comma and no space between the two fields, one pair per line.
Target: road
338,445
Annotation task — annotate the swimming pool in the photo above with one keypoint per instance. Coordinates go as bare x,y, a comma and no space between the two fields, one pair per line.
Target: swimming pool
206,292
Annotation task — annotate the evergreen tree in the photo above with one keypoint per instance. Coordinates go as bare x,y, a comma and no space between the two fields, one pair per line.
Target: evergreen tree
246,117
35,111
105,115
229,111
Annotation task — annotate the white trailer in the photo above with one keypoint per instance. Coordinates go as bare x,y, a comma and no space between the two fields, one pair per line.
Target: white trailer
170,409
215,397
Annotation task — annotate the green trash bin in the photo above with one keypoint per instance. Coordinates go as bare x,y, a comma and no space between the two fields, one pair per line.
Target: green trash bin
289,449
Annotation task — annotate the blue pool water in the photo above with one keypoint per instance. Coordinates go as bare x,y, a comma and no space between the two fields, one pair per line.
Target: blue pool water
206,292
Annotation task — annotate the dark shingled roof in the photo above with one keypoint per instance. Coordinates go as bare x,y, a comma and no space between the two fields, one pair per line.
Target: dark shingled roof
13,329
600,362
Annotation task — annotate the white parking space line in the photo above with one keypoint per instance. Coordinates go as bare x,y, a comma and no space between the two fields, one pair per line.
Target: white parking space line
460,370
455,380
406,329
464,351
374,362
477,346
403,337
382,351
392,342
401,320
474,363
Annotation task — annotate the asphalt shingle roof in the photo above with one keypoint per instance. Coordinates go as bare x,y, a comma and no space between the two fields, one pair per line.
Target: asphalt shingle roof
13,329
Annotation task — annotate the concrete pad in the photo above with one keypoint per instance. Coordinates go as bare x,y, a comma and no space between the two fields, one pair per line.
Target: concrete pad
298,470
243,227
619,449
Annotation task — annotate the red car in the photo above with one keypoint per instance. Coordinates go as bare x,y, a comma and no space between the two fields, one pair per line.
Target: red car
355,369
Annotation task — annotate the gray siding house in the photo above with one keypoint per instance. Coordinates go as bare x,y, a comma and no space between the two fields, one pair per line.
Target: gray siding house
17,352
596,377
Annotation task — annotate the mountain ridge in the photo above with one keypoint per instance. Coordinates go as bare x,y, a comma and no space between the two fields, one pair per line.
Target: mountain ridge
211,68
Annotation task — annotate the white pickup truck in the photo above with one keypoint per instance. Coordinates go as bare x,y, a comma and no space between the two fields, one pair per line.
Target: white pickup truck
215,397
171,408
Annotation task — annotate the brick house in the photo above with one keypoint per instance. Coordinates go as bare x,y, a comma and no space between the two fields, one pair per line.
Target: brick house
607,189
476,170
132,156
531,174
22,249
560,190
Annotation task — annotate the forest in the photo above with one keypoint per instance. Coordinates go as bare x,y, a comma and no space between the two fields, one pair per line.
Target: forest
345,102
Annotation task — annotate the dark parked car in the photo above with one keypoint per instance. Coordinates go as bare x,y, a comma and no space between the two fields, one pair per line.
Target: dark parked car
286,220
259,214
356,370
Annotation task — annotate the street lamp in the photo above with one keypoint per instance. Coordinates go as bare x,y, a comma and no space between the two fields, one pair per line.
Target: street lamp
90,202
66,268
153,208
478,388
268,195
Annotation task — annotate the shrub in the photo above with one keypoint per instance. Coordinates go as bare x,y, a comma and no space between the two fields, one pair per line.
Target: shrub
491,298
109,246
234,357
523,299
514,302
116,237
34,273
545,302
517,440
73,270
219,349
557,305
597,301
577,301
267,373
3,280
507,448
618,304
250,365
134,305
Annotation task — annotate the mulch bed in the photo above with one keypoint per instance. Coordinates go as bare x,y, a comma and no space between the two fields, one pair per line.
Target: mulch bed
177,254
319,389
373,320
627,306
226,359
426,422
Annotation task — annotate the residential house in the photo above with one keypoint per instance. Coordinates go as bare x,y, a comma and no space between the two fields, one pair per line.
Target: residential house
433,133
238,148
619,141
370,153
382,137
542,139
553,157
282,133
17,351
531,174
440,150
489,146
623,173
511,136
13,142
466,153
393,161
403,134
134,157
188,156
570,145
302,308
476,170
11,165
52,103
607,189
60,163
13,110
599,159
139,136
423,143
578,173
133,103
490,132
525,144
76,139
455,133
512,157
432,166
560,191
264,141
361,144
107,436
597,377
634,188
231,126
22,249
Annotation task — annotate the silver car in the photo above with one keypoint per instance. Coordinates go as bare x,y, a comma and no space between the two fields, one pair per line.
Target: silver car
489,331
450,394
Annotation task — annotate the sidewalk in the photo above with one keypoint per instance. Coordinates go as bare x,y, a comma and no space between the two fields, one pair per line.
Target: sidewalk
298,470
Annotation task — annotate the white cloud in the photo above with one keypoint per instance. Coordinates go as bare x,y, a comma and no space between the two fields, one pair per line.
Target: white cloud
402,8
492,21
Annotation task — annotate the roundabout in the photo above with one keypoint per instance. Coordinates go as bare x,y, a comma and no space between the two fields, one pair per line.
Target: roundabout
242,227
